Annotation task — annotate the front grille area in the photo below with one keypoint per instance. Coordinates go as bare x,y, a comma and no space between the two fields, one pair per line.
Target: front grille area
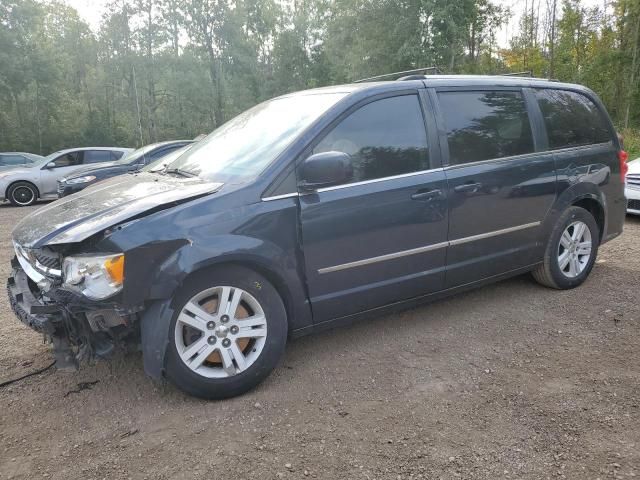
633,204
633,180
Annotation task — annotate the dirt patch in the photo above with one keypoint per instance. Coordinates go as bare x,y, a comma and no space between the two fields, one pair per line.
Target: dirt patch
509,381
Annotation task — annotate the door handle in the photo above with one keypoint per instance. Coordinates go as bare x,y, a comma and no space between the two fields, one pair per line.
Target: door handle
426,195
471,187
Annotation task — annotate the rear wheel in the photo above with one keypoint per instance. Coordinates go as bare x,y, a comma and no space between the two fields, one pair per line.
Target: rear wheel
228,332
571,250
22,194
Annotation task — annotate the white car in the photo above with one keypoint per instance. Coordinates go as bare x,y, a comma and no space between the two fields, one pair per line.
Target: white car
25,184
632,187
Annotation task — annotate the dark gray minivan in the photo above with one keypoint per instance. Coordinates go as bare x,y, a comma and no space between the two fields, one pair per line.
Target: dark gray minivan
318,208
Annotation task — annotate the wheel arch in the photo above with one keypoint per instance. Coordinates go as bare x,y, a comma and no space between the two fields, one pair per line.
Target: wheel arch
266,271
584,195
156,319
595,208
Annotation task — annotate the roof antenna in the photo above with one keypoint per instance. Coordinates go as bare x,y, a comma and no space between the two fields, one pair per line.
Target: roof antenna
135,87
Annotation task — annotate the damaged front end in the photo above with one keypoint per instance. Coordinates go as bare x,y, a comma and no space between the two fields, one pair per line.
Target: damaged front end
71,300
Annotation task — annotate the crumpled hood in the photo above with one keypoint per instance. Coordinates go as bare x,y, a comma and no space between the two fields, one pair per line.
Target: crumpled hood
634,166
77,217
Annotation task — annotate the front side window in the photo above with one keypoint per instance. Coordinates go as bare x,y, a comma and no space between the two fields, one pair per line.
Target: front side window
571,119
485,125
67,160
97,156
384,138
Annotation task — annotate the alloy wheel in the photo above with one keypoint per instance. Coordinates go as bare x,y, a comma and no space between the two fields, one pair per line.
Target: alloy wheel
574,249
220,332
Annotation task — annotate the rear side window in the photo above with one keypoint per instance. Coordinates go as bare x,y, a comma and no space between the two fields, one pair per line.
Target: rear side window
485,125
97,156
116,154
384,138
571,119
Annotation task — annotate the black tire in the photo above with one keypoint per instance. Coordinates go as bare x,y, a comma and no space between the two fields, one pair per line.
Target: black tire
22,194
548,273
272,351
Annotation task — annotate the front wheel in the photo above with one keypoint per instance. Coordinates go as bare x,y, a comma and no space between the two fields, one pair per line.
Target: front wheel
22,194
228,332
571,250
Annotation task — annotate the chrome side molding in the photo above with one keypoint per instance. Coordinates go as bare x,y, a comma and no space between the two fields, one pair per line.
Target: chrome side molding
427,248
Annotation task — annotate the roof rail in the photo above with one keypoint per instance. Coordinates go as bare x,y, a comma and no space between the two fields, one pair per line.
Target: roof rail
424,70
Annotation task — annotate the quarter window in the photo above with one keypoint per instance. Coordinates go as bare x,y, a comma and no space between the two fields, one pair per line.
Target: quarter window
571,119
384,138
485,125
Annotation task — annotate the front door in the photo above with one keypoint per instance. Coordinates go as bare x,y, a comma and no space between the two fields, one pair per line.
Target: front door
499,188
382,237
62,165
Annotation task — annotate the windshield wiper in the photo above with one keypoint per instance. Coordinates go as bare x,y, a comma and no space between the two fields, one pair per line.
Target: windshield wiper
179,171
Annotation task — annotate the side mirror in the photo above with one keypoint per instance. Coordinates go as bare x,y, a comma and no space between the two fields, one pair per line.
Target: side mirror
50,165
325,170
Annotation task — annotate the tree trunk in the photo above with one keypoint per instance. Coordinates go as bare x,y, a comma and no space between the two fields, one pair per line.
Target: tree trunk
553,40
632,78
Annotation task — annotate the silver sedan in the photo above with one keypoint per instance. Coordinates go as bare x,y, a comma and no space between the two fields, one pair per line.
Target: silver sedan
25,184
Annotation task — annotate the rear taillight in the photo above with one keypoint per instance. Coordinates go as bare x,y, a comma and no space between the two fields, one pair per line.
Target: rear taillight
624,167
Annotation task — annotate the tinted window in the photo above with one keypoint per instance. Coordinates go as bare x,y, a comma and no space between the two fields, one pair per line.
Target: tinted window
68,160
571,119
117,155
384,138
485,125
97,156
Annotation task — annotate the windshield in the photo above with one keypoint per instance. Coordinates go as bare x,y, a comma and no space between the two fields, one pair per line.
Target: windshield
245,145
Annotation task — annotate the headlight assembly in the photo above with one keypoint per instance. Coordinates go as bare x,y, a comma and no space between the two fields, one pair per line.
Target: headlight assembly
85,179
96,277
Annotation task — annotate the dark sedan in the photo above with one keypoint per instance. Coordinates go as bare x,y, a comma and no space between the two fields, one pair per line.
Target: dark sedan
132,162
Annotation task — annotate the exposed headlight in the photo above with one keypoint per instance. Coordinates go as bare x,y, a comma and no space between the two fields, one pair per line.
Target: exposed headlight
74,181
96,277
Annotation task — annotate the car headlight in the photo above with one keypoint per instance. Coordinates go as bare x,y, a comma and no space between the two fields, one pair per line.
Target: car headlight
96,277
74,181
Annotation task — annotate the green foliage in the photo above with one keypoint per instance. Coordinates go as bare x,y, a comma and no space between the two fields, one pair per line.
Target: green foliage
632,142
162,69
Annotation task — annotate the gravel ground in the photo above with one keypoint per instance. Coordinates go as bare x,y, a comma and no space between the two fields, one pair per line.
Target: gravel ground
509,381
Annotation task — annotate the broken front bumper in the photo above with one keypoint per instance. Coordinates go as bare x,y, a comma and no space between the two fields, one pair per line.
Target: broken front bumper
43,318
